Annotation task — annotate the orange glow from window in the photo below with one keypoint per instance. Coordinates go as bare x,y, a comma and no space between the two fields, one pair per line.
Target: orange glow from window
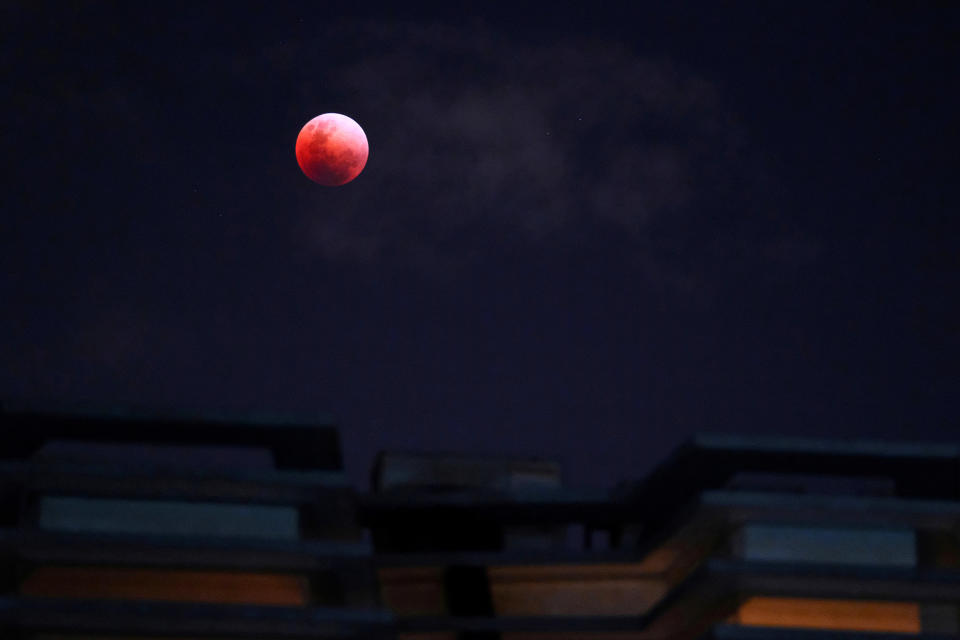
846,615
173,586
602,589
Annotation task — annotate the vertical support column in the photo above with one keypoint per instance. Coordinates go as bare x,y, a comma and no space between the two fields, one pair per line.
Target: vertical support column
468,595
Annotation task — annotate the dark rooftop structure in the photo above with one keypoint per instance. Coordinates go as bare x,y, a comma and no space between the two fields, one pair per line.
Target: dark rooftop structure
111,529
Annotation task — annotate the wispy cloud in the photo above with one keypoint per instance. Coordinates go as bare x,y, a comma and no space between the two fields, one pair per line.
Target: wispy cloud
478,139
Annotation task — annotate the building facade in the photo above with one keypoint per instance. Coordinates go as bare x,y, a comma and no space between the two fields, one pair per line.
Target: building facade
129,527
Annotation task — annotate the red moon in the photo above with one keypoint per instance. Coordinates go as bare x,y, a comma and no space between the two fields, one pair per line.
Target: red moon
332,149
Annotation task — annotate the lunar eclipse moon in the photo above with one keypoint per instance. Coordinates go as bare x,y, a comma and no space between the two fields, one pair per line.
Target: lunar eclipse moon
332,149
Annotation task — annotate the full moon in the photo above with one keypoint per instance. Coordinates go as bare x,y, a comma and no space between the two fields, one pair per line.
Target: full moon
332,149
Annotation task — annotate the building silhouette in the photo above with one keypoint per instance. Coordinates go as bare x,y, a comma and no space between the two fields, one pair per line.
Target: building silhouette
120,526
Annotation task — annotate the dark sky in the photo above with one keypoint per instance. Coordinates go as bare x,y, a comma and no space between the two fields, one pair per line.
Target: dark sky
582,233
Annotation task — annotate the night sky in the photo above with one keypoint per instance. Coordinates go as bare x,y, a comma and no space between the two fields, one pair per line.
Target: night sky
582,234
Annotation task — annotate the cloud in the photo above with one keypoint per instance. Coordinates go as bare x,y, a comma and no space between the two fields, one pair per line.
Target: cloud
477,140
